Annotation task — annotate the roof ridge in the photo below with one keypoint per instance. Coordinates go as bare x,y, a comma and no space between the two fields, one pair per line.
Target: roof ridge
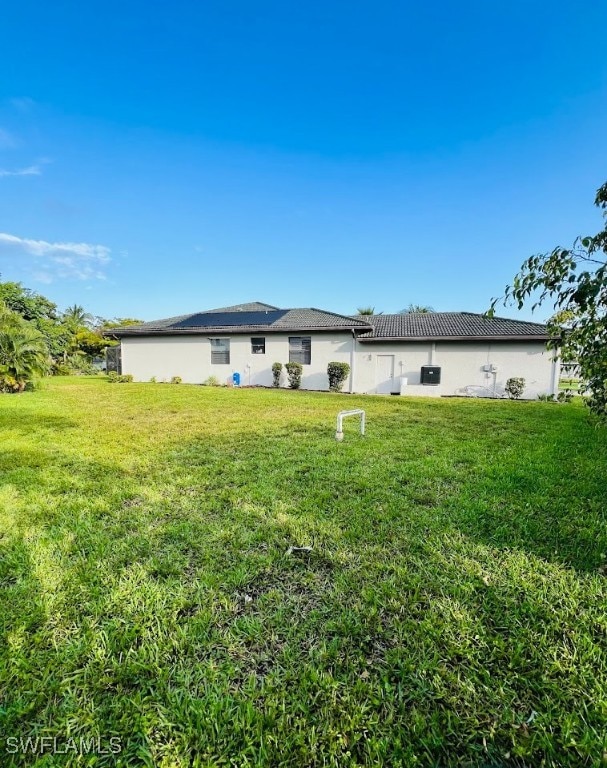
333,314
231,307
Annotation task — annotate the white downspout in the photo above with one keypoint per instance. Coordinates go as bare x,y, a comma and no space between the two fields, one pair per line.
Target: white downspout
352,361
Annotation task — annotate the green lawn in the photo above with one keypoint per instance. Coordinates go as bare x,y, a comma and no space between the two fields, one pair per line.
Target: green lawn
573,384
450,613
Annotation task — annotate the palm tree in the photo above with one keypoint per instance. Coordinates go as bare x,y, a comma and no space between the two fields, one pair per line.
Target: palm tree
77,317
423,309
367,311
23,352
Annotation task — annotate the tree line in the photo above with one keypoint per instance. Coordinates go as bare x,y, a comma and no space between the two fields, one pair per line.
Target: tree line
37,339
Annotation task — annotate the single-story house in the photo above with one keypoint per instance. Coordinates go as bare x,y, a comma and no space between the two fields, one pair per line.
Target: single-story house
437,353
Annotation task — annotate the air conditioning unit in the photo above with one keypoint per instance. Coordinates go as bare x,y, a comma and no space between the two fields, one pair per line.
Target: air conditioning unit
430,374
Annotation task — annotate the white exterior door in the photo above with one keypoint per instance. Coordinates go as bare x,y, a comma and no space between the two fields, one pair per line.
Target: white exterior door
384,375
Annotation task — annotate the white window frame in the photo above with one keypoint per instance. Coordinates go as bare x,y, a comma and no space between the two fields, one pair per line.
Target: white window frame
300,349
258,339
220,352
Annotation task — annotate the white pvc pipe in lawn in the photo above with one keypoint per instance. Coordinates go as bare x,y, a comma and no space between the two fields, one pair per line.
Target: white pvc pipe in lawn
339,434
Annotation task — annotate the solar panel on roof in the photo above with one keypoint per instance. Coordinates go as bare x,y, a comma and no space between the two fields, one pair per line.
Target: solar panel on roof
226,319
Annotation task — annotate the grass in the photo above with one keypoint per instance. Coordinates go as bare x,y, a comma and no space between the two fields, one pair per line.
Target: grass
573,384
451,611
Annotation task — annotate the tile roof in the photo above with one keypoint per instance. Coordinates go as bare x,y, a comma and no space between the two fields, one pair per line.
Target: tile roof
257,317
450,325
245,318
251,306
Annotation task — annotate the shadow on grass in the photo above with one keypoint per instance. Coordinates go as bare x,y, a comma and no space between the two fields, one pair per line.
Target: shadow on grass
62,555
29,424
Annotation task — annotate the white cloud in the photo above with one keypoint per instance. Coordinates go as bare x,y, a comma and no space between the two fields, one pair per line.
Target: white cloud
68,261
31,170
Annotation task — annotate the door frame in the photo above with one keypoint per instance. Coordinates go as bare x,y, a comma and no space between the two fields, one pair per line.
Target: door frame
394,388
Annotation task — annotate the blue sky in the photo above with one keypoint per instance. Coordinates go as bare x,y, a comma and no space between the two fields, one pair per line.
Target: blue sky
157,159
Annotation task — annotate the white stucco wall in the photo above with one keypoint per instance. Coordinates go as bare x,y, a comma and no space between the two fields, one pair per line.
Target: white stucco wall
529,360
461,363
190,358
461,366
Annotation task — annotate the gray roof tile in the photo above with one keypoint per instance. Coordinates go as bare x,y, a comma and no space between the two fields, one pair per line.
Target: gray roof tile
245,318
449,325
257,317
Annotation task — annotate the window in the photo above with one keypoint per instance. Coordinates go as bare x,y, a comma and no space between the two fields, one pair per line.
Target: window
258,346
300,349
220,351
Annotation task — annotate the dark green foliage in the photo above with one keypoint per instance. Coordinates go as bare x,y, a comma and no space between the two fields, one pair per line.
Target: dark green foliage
337,373
57,335
59,368
29,304
23,352
276,374
515,387
67,335
575,281
91,343
118,322
176,380
115,378
565,396
294,372
76,317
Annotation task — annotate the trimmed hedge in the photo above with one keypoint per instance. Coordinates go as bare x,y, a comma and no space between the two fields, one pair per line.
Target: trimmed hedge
337,373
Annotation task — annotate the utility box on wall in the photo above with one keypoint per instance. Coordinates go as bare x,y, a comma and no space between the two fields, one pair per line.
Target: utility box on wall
430,374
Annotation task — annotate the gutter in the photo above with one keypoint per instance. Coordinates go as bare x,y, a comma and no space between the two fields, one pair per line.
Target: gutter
234,330
383,339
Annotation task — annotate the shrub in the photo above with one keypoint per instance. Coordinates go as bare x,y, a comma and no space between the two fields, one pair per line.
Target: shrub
294,371
114,378
337,373
276,374
153,380
566,396
212,381
546,398
515,387
176,380
23,352
78,364
60,369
